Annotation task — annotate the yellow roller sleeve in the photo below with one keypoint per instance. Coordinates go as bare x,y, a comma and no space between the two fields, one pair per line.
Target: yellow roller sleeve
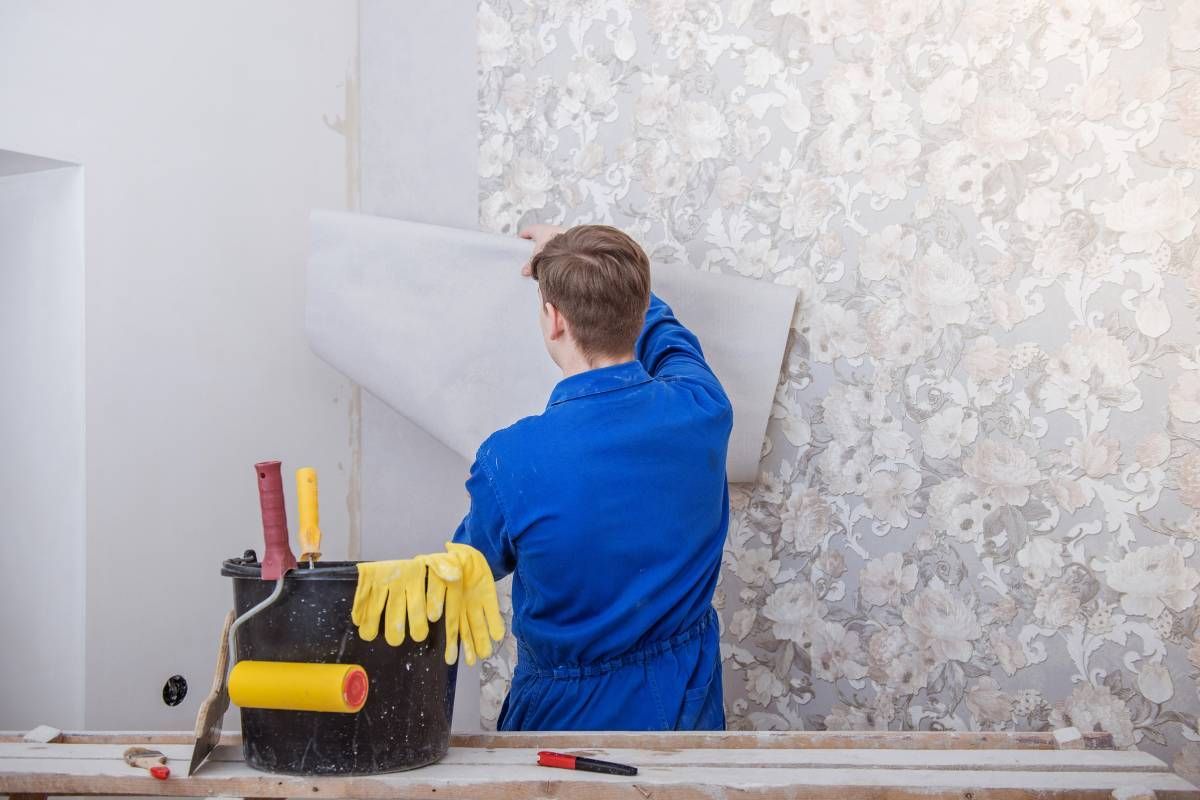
310,531
291,686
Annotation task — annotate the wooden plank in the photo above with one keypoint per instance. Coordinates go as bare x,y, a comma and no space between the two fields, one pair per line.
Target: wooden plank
1068,738
1024,760
760,740
471,782
127,737
787,740
1027,760
1133,793
174,752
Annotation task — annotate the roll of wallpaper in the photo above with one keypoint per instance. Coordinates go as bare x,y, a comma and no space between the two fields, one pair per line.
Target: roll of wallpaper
439,324
294,686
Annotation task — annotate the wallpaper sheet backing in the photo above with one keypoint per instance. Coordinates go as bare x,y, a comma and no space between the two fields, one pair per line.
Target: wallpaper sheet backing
979,501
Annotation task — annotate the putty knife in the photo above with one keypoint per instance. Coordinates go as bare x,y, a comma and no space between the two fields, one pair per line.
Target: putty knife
212,710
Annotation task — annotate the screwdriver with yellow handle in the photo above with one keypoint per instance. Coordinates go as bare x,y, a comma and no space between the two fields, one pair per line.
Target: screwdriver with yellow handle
310,530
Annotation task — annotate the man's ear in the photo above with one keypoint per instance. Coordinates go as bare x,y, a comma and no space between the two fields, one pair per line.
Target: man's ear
558,323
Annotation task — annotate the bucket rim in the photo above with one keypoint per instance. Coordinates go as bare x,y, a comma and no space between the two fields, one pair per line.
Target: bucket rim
247,566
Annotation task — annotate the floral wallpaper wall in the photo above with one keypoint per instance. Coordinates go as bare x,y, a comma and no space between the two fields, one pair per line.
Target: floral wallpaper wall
979,505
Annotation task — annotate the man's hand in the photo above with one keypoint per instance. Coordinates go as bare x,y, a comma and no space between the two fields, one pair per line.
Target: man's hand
540,234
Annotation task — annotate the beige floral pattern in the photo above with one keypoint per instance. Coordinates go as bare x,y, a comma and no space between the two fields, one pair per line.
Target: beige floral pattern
979,505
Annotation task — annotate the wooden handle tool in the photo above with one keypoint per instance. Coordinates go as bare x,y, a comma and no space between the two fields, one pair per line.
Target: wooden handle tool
310,530
278,558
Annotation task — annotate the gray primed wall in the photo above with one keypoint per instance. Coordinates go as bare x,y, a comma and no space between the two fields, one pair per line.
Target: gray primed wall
160,236
41,427
419,155
200,127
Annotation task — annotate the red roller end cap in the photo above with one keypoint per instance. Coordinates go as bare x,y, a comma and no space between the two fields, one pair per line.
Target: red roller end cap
354,689
162,772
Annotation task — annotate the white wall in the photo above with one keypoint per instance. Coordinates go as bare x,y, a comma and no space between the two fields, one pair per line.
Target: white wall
419,162
200,129
41,428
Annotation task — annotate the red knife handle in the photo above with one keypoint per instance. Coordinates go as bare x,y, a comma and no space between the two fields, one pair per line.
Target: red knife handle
549,759
277,557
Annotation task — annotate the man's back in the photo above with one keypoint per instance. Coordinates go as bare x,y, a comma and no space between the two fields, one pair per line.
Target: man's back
611,510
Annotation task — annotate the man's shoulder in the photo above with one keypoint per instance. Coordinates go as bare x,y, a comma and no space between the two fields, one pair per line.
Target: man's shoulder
514,441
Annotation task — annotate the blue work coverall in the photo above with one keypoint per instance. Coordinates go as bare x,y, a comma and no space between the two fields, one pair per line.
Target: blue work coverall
610,509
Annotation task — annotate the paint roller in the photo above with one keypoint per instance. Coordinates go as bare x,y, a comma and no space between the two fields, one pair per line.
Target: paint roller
289,685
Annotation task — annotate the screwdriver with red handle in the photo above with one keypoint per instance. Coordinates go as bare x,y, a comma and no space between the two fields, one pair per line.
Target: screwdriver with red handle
547,758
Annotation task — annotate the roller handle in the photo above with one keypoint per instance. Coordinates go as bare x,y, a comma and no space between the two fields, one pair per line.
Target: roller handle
277,558
310,523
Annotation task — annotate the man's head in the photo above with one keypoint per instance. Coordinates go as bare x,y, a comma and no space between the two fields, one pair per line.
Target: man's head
595,287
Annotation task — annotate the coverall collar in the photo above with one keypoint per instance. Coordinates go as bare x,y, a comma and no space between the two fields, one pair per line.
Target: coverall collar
598,381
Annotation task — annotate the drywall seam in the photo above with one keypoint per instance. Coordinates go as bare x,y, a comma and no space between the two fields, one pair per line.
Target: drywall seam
348,126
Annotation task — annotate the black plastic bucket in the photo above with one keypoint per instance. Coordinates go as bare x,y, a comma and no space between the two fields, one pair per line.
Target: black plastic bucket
405,722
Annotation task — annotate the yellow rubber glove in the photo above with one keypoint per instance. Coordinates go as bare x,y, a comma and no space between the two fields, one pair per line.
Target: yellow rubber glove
397,588
369,597
407,593
406,604
375,580
444,597
479,619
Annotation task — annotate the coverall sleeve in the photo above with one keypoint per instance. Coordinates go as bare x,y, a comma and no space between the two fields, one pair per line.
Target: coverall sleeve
484,527
669,350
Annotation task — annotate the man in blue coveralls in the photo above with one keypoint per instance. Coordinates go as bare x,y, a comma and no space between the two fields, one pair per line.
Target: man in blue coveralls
610,508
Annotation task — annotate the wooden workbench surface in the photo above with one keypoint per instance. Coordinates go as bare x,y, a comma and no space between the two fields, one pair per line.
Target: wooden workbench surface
845,766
